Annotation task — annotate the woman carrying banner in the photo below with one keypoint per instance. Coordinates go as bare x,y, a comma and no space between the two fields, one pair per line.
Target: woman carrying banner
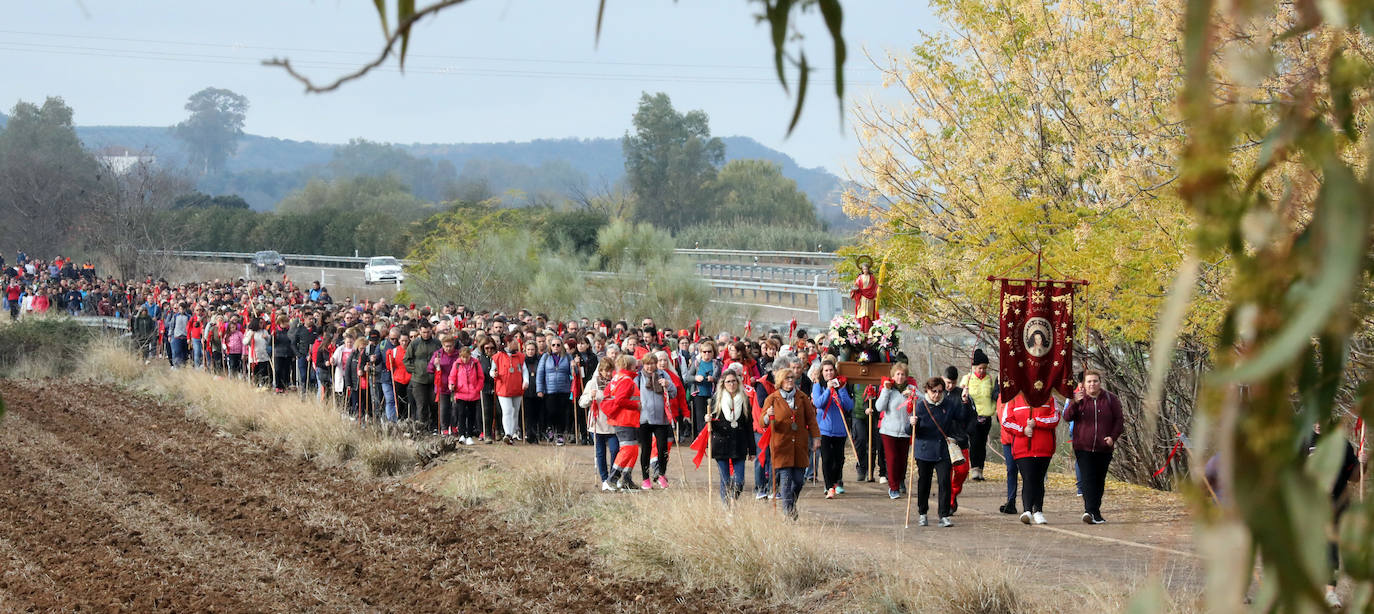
795,434
732,427
895,426
934,417
833,405
1031,430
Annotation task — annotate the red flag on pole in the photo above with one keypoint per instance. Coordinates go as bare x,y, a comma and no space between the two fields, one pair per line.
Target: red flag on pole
696,331
765,438
791,329
702,440
748,326
1036,339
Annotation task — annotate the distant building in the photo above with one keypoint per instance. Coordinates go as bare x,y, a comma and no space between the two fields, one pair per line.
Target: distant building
121,160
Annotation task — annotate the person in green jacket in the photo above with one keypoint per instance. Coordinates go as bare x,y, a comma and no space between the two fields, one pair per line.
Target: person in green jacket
418,353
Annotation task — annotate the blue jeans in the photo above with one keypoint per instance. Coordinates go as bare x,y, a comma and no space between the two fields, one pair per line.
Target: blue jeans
731,478
607,446
763,469
303,374
389,399
1011,472
197,352
178,351
790,482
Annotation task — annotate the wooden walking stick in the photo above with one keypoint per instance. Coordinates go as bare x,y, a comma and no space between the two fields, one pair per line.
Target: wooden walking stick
872,455
910,474
709,460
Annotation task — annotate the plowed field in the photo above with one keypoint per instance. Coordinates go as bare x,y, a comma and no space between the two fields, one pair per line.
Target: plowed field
116,503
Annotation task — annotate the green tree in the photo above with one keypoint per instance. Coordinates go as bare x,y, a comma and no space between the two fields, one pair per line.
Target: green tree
213,129
47,179
757,190
670,162
426,178
385,193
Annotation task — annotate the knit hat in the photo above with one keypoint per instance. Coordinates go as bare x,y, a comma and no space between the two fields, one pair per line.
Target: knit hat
979,357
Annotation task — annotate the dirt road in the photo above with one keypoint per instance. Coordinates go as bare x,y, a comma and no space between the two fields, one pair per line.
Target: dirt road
1149,533
113,503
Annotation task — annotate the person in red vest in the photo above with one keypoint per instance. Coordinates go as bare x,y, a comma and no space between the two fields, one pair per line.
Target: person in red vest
395,363
511,377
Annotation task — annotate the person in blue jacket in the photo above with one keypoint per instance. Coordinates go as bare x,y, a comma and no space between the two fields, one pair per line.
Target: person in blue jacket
833,407
553,383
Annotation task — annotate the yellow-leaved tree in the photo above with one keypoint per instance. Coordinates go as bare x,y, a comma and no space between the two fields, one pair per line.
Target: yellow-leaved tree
1031,126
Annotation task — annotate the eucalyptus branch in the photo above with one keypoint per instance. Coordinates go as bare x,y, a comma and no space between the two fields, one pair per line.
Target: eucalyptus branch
401,32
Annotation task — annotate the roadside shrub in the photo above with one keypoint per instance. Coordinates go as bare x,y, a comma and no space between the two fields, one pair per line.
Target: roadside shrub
42,346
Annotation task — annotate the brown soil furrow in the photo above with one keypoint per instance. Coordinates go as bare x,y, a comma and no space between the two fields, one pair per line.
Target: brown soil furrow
273,542
219,561
393,548
94,561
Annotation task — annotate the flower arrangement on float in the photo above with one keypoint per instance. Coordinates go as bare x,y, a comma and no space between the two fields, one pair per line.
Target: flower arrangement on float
849,342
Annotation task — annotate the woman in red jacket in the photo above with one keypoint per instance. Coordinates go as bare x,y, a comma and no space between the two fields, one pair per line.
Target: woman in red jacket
1032,445
620,403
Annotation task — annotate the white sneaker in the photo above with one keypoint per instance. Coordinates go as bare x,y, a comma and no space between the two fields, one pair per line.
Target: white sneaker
1025,517
1333,600
946,522
882,479
467,441
1087,518
921,521
606,486
1039,518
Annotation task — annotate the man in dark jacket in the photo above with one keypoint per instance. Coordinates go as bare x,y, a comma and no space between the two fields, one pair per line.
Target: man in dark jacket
143,329
283,354
1097,424
303,334
421,380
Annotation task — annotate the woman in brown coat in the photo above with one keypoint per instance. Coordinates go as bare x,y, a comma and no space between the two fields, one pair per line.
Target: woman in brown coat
795,434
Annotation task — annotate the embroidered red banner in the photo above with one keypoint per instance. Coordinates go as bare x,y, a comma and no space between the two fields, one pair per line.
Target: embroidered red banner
1035,339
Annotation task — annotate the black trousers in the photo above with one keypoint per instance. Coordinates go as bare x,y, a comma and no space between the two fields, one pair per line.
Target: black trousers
648,434
1032,470
1093,466
978,442
403,411
924,470
465,417
446,413
282,368
490,414
832,460
262,373
558,411
422,403
870,452
699,406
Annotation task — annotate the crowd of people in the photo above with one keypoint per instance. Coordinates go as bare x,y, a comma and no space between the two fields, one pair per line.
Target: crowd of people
775,404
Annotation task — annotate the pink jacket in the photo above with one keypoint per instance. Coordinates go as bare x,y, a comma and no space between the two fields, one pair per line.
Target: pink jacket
465,380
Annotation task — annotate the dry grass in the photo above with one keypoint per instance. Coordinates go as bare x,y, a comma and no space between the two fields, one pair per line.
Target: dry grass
303,426
543,491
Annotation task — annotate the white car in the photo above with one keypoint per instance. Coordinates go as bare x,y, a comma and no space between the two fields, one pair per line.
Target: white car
382,268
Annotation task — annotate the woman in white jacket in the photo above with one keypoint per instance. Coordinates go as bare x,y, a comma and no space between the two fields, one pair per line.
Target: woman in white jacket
603,434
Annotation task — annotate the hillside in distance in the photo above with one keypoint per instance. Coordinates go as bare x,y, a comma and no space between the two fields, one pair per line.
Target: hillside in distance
265,169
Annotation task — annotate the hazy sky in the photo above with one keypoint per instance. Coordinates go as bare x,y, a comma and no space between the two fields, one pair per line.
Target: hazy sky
483,71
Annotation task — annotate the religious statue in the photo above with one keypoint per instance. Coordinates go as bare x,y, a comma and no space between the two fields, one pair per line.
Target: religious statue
865,294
